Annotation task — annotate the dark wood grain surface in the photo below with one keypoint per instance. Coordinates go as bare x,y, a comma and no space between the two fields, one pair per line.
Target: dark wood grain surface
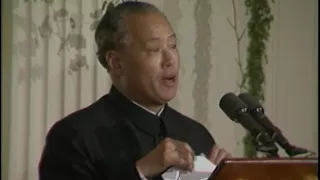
267,169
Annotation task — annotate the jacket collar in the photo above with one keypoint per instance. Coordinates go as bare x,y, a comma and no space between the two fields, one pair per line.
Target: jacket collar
146,121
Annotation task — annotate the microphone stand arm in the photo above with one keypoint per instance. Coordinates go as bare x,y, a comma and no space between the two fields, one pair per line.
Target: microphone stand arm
294,151
291,150
271,150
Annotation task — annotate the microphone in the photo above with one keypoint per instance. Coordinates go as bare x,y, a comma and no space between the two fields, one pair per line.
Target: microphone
237,111
257,112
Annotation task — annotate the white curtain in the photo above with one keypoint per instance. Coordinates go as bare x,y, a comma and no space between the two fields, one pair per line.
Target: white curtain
54,70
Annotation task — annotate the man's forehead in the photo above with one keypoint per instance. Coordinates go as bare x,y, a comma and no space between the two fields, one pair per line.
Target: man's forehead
152,26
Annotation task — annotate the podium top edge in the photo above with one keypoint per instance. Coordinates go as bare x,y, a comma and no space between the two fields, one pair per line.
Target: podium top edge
272,160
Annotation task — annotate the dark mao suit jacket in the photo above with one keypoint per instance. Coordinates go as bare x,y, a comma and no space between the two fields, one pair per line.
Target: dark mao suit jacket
104,140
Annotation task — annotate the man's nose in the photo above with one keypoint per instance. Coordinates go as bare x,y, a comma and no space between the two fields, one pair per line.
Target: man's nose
168,58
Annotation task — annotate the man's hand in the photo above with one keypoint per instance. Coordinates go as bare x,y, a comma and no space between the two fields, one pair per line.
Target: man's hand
168,153
218,154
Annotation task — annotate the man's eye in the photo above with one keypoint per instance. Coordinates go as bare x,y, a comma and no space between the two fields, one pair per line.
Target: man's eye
154,49
173,46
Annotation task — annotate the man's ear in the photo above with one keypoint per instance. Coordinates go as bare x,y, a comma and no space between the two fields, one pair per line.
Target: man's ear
114,62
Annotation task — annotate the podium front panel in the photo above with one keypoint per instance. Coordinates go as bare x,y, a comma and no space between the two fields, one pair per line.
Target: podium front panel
266,169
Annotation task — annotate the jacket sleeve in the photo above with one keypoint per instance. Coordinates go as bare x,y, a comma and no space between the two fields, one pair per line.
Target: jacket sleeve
65,157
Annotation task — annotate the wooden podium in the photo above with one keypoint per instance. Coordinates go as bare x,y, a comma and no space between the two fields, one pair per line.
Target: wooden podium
267,169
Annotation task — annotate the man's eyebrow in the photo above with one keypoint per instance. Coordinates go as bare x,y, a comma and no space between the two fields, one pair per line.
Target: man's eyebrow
157,38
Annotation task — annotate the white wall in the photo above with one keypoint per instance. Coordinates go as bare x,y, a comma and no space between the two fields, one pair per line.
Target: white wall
292,88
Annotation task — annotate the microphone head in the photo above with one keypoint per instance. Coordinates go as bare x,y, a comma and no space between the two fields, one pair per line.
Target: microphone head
232,106
251,101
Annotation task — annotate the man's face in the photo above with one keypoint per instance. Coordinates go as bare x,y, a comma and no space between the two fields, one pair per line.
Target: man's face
150,60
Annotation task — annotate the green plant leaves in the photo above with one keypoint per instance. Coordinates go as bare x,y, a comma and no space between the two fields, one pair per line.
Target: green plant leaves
258,26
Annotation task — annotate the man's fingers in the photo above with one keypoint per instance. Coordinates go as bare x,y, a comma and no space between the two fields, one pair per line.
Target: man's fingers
183,146
190,160
182,161
218,154
213,154
179,152
222,154
182,155
185,150
187,156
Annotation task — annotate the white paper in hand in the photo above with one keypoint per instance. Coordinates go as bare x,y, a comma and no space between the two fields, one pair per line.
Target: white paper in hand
202,170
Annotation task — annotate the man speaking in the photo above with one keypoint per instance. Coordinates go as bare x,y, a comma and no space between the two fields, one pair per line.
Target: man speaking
131,132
